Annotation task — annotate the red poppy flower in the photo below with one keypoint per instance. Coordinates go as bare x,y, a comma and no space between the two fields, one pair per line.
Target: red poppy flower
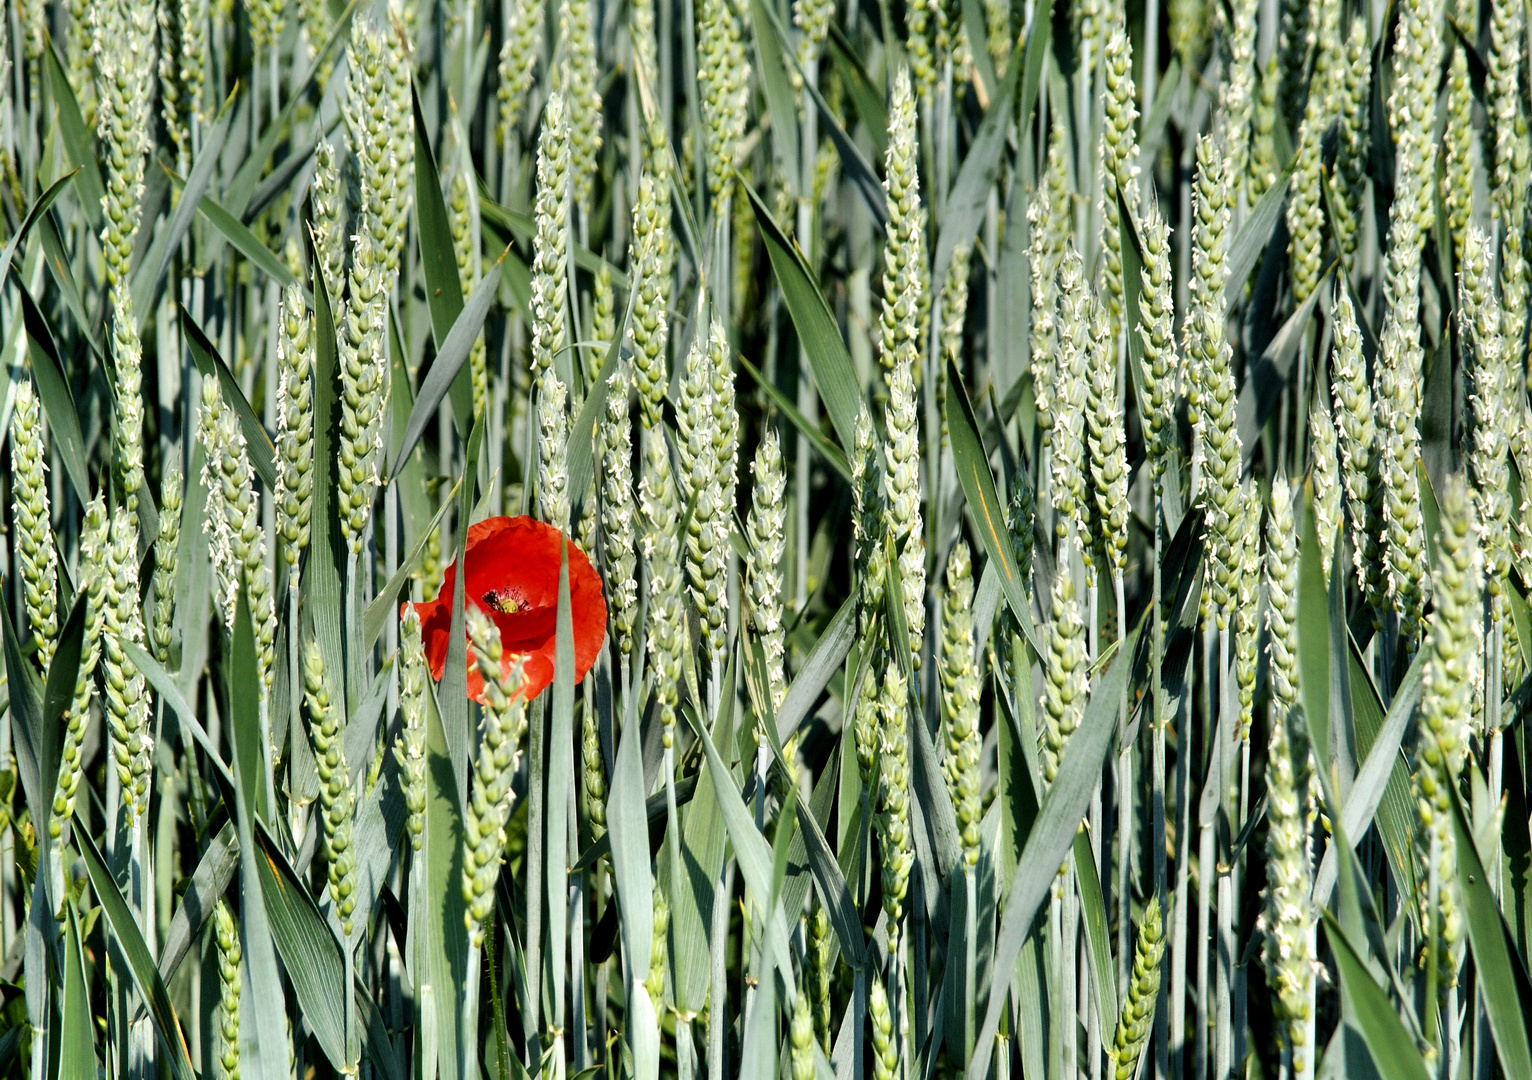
512,575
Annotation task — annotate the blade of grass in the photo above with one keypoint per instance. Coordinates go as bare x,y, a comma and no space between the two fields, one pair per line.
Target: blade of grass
446,369
1505,991
310,954
1050,839
1393,1050
77,1044
816,326
780,100
438,260
969,197
377,613
832,454
978,484
79,143
54,394
151,272
39,208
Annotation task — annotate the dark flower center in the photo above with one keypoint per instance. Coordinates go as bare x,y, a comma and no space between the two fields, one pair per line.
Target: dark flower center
502,601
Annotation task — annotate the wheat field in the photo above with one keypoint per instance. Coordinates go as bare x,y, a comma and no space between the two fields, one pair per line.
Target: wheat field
748,538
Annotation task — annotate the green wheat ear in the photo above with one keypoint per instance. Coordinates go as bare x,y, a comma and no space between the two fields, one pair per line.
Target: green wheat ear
327,730
961,685
1137,1015
502,728
1448,689
226,936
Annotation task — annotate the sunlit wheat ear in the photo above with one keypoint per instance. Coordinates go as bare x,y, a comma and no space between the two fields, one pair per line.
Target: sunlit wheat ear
1448,688
236,540
36,555
1161,368
328,199
1137,1016
294,494
812,18
582,89
166,554
801,1038
906,277
1353,137
124,53
1119,162
893,820
1237,93
501,730
1360,459
619,523
1398,407
954,313
961,685
125,694
885,1046
665,625
1107,442
1324,452
1067,485
1287,920
1064,674
924,20
1048,216
642,34
1263,168
765,529
1507,26
1247,606
705,485
518,64
593,789
226,937
902,515
654,981
722,77
550,318
552,450
93,575
380,131
1493,397
327,729
649,326
1460,150
820,969
1305,210
410,749
128,434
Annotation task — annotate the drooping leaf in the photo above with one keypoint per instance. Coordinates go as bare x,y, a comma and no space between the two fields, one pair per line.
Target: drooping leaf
210,364
54,395
146,977
39,208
